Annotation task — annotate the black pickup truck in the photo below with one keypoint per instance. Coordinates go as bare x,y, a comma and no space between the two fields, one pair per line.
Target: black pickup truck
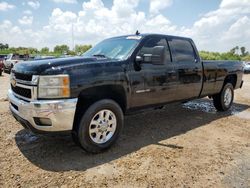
89,95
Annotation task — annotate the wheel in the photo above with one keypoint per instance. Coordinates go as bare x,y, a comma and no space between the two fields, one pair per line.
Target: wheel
99,126
223,101
4,69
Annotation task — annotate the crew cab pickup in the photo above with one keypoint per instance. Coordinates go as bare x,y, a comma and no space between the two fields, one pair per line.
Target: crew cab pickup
13,59
89,95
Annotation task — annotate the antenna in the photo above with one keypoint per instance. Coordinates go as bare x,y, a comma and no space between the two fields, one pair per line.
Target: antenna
137,32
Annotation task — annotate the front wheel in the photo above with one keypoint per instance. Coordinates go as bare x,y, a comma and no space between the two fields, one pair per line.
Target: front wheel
99,126
224,100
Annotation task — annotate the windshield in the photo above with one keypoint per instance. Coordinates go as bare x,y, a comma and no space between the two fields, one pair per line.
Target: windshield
115,48
9,56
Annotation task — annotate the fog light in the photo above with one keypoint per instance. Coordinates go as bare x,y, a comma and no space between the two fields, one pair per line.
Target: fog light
42,121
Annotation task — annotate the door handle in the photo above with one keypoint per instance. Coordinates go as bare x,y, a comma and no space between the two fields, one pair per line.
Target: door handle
171,72
196,69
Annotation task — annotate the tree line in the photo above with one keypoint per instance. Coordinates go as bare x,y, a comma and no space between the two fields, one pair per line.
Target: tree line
236,53
57,51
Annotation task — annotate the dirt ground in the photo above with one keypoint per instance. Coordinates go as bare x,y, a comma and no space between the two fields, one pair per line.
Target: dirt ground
183,145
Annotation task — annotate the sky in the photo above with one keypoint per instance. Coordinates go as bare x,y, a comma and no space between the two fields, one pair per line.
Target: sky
214,25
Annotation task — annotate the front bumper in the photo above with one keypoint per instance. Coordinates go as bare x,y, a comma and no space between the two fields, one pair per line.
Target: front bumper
61,113
246,70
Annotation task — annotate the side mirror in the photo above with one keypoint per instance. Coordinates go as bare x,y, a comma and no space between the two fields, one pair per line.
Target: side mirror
138,59
137,64
158,55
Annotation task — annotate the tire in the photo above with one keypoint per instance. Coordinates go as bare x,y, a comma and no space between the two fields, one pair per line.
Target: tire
104,117
224,100
4,69
7,70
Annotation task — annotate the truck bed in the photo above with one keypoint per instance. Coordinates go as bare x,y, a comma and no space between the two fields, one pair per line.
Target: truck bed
215,73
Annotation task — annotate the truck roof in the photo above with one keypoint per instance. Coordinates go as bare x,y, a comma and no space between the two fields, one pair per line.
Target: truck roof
153,34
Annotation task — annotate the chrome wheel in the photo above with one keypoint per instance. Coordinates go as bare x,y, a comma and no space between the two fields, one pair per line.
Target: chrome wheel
102,126
228,95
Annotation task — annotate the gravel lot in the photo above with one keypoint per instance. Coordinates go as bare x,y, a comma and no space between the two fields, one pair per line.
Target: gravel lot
4,86
183,145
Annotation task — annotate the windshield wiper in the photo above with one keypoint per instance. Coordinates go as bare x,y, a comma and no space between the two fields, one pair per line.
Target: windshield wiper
100,55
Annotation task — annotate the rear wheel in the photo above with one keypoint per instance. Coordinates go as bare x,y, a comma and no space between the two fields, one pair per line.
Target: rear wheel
100,126
5,69
223,101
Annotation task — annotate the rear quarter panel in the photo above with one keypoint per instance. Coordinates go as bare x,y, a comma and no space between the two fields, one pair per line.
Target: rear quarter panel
215,73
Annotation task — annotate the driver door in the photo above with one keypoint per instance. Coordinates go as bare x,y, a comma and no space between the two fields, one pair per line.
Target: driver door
159,80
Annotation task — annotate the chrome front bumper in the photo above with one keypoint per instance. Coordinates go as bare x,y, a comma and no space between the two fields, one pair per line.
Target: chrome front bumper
60,112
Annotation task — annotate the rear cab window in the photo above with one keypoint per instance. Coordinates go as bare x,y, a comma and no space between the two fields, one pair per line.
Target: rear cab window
182,50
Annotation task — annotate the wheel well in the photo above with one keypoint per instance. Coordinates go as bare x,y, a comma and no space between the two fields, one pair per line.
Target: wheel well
231,79
90,95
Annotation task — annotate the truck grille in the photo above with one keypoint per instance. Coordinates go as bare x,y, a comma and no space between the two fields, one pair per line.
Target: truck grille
20,76
23,92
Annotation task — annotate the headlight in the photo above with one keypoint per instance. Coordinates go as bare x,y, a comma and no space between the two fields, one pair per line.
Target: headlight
56,86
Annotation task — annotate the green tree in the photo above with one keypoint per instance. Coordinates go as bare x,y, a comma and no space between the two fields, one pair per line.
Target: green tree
61,49
3,46
229,56
79,49
243,51
246,58
70,52
235,50
6,46
219,56
32,51
45,50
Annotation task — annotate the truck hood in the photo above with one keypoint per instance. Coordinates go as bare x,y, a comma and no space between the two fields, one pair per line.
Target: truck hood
57,66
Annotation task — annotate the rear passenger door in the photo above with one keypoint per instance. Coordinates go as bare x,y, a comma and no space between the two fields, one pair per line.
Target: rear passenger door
188,68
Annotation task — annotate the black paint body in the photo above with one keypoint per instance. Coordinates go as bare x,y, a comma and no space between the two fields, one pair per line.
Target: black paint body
160,84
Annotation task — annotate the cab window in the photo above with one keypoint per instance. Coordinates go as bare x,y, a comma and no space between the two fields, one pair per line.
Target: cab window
183,50
151,43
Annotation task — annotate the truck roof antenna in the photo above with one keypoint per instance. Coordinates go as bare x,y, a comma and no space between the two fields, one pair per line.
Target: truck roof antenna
137,32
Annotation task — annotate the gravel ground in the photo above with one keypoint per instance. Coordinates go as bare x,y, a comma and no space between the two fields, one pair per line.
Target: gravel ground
4,86
182,145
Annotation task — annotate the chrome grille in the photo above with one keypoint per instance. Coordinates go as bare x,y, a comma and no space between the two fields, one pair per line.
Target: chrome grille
24,85
24,92
21,76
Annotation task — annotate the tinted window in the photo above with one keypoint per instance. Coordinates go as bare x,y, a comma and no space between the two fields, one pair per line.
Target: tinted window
15,57
151,43
183,50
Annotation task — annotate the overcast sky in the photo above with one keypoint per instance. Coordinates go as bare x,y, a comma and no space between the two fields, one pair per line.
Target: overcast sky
215,25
